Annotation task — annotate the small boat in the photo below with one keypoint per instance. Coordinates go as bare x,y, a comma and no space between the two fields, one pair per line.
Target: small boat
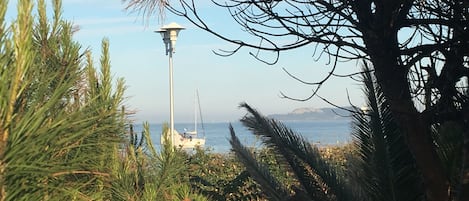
190,139
197,112
186,141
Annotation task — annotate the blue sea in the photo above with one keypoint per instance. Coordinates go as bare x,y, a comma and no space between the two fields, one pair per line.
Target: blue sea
217,134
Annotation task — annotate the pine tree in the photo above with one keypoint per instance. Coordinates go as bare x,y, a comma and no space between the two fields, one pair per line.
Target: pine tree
59,118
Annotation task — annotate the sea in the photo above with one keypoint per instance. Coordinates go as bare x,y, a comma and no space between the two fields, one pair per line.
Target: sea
321,133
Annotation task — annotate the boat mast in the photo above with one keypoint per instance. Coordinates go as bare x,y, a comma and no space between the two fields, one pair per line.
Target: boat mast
200,113
195,111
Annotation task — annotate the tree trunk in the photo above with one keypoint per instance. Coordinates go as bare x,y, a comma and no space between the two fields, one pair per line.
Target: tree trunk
393,80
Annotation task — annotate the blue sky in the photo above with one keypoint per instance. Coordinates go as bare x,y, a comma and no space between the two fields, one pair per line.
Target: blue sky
137,55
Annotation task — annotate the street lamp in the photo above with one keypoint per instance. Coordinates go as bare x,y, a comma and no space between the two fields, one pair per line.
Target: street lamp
170,33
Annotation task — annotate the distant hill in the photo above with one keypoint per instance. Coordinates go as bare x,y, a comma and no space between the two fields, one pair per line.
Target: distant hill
313,114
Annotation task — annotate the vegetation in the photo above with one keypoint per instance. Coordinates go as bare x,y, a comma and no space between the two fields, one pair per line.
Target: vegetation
59,117
65,135
418,49
317,179
63,127
223,177
141,173
220,177
378,165
385,169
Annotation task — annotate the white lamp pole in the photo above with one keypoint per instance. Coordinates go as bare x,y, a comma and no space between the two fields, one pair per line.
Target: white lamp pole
170,33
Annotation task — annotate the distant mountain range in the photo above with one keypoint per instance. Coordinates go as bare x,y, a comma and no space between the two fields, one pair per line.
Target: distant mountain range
314,114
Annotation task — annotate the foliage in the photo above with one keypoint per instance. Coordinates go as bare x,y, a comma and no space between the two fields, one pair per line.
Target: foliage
144,174
222,176
376,166
172,173
339,155
63,125
59,118
316,178
147,7
384,168
418,49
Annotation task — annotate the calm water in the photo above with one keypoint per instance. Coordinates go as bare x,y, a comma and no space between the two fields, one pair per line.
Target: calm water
217,134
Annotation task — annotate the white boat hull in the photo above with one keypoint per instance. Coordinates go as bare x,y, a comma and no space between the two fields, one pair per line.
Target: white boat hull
185,142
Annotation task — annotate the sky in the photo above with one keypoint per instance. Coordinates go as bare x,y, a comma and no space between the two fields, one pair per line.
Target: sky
138,55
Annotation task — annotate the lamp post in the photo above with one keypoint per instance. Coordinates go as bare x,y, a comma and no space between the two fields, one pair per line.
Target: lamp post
170,33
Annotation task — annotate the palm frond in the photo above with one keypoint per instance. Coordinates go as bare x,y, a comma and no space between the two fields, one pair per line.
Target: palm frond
147,7
272,188
304,159
385,169
448,139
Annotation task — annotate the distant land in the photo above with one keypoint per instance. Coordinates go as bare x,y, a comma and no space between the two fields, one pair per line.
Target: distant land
314,114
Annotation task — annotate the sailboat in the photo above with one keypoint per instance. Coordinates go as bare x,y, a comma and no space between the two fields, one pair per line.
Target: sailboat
197,112
190,139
